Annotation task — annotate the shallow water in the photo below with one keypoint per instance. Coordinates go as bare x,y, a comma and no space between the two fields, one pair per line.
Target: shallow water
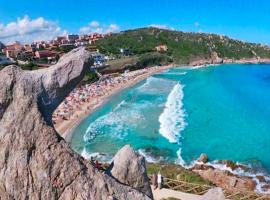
174,116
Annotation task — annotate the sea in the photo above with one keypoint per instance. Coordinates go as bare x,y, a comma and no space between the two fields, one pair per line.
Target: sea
174,116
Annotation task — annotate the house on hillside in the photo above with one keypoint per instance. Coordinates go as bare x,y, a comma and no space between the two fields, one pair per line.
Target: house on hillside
161,48
81,43
14,50
72,38
46,56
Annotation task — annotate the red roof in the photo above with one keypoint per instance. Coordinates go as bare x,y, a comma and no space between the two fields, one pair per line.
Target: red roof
45,54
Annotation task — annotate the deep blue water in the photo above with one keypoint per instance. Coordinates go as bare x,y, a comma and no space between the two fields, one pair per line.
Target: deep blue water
223,111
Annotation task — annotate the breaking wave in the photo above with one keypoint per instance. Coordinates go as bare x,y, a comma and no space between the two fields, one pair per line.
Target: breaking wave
172,120
149,158
102,157
116,121
155,85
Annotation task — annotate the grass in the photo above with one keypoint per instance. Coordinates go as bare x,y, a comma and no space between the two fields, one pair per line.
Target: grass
123,60
121,63
176,172
137,62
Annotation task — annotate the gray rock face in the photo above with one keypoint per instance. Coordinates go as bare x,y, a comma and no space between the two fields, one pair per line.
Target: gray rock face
129,168
203,158
35,162
214,194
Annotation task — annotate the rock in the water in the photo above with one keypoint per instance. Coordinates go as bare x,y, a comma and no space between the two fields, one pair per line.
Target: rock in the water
35,162
129,168
203,158
214,194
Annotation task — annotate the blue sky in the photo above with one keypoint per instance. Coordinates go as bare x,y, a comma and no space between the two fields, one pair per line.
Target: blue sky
28,20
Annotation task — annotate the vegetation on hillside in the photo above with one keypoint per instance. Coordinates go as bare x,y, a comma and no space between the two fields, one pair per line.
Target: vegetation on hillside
89,77
175,172
137,62
182,46
30,66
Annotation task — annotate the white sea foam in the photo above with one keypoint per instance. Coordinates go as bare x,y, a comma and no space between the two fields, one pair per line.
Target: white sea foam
155,85
172,120
116,122
97,156
240,172
203,66
180,160
122,103
148,156
176,73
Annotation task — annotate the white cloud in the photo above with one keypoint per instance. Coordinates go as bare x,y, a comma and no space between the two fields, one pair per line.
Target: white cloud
113,28
94,24
96,27
161,26
28,30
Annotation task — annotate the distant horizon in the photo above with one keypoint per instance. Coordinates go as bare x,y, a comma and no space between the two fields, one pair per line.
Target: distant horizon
29,20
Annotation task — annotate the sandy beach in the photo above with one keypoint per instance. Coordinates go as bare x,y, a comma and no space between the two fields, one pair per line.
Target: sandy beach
65,125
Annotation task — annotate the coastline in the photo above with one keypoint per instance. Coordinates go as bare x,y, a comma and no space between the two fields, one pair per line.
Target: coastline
250,182
215,60
65,128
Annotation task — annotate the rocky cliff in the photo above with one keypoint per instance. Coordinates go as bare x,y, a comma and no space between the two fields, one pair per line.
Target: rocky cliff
35,162
129,168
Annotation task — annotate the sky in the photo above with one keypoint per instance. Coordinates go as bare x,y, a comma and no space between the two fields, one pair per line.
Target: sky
33,20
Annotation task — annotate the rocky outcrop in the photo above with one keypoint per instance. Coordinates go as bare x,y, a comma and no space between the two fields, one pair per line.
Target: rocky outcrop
129,168
213,194
35,162
225,179
203,158
213,59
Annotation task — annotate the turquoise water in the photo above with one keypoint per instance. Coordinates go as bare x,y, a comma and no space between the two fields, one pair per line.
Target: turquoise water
175,116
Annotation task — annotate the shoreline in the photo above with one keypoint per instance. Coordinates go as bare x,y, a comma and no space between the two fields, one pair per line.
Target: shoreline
216,61
65,128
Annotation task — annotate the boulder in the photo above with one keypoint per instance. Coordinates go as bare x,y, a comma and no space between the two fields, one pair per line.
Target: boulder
214,194
229,164
35,161
203,158
128,167
226,180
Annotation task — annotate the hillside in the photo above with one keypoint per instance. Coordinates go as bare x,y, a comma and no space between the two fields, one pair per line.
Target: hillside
183,47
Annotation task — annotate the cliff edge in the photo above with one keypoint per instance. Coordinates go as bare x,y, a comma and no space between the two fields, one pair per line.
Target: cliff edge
35,162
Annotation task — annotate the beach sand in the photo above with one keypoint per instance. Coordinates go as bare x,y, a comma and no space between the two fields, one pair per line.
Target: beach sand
65,127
